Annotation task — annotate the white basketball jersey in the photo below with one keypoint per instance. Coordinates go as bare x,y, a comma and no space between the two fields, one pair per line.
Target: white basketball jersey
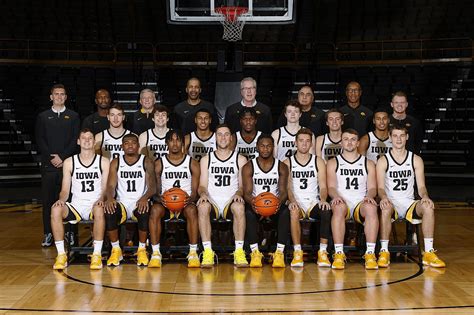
199,147
400,178
173,175
247,149
131,179
265,181
286,145
352,178
223,180
305,182
86,184
377,147
111,146
330,149
155,145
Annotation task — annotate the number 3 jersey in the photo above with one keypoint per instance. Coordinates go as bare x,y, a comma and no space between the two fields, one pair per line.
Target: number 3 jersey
265,181
400,178
304,179
131,180
173,175
351,178
86,184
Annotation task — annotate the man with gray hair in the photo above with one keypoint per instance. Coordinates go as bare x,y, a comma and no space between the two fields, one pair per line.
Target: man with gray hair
248,90
141,120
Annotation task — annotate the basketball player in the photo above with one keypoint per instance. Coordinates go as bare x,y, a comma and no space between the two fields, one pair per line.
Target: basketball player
108,143
175,169
307,194
352,187
202,141
329,145
152,141
376,143
131,177
84,176
266,174
220,190
245,140
285,136
397,173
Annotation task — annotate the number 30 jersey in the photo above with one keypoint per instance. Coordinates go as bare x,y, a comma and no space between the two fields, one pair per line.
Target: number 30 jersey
265,181
352,178
400,178
176,175
131,179
223,179
86,183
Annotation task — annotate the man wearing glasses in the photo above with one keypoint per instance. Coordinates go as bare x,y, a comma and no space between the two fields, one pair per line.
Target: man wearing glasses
248,90
356,116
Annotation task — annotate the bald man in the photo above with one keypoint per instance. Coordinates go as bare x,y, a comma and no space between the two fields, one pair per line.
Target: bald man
356,115
98,122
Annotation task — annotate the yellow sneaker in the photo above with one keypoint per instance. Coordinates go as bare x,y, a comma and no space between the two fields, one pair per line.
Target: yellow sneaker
256,259
431,259
297,259
61,262
142,257
339,261
323,259
96,262
239,258
370,261
278,259
115,257
193,259
384,259
207,258
155,260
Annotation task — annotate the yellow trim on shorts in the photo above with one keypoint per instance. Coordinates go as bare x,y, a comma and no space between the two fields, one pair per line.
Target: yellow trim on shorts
307,213
410,212
75,212
216,209
124,214
356,214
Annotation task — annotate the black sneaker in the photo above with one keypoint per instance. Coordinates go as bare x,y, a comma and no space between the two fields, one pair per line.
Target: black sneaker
47,240
70,238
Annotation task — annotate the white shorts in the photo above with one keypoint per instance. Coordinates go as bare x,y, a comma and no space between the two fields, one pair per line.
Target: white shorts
129,206
353,210
82,209
306,205
405,209
220,206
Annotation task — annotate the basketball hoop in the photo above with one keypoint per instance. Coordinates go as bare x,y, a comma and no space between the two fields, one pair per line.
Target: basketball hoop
232,22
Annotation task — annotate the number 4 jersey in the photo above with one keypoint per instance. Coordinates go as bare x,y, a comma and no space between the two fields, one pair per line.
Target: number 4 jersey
173,175
400,178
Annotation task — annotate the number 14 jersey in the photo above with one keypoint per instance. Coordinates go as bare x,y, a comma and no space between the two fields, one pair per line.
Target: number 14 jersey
352,178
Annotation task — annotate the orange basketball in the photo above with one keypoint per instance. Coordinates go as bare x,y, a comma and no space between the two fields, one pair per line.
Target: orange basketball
174,199
266,204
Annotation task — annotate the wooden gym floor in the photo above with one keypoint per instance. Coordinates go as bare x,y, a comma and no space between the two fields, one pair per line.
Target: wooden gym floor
28,285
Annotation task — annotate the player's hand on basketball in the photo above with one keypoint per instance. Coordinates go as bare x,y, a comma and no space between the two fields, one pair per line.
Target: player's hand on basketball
370,200
59,203
337,201
143,205
237,198
385,204
324,205
110,206
428,202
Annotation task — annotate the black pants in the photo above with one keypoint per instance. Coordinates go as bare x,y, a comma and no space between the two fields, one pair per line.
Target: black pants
283,224
324,216
51,179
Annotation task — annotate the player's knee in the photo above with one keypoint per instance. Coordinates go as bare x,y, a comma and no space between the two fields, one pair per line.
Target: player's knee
98,213
157,211
295,214
111,221
339,211
56,212
142,219
190,212
238,209
386,212
204,209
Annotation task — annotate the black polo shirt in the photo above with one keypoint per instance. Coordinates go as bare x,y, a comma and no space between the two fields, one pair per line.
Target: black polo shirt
264,117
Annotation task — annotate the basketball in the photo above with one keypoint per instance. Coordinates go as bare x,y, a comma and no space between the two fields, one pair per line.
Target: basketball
174,199
266,204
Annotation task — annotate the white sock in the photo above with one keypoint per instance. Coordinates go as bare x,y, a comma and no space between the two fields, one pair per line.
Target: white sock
428,244
339,248
155,248
370,248
384,245
280,247
193,247
141,245
239,244
98,247
254,247
60,247
297,247
115,244
207,245
323,247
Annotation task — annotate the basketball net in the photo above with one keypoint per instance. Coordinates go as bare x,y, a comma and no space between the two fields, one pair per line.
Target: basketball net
232,22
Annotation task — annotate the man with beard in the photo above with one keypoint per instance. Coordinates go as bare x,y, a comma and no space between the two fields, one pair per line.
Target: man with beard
98,122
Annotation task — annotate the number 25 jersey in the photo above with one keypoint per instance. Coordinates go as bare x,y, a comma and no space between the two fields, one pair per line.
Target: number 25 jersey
400,178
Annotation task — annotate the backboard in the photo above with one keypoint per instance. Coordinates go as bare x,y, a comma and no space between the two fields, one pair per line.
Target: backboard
203,11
